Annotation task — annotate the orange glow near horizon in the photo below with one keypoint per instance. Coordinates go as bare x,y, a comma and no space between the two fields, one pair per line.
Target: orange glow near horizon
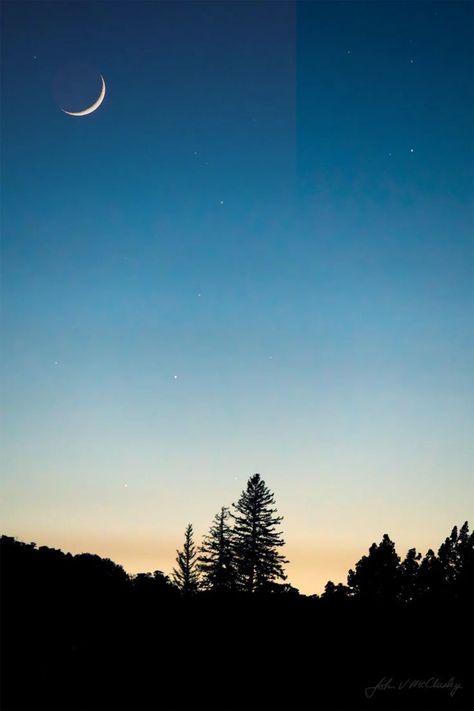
310,567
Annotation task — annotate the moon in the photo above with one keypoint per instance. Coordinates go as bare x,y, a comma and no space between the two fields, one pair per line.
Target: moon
91,108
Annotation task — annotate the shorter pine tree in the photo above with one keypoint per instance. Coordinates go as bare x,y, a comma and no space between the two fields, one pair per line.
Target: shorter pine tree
185,576
215,562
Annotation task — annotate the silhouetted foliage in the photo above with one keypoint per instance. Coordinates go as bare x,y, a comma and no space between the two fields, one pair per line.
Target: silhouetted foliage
153,586
215,562
282,589
452,553
255,538
464,578
430,578
78,633
449,574
335,592
377,575
448,557
409,575
185,576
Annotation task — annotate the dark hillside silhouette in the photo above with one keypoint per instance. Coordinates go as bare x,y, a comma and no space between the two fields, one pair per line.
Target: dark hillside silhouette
79,633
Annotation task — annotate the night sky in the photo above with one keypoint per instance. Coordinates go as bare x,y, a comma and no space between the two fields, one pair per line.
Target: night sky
255,256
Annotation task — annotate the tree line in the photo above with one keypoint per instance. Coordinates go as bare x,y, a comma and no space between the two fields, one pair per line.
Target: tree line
241,554
226,631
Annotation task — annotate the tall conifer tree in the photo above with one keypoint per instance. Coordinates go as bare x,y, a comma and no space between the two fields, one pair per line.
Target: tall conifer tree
256,539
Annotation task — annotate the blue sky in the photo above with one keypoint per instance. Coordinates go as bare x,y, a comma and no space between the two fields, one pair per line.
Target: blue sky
255,256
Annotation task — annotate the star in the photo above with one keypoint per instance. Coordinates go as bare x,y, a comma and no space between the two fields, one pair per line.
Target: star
35,57
412,150
126,486
199,293
411,61
348,51
389,155
222,202
175,377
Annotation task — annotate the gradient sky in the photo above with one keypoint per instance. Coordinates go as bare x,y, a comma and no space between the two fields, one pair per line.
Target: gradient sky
274,204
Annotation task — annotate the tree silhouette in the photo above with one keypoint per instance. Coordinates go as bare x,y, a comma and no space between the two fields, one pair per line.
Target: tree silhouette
409,575
430,576
377,575
465,575
448,558
150,586
185,576
335,592
255,538
215,562
455,557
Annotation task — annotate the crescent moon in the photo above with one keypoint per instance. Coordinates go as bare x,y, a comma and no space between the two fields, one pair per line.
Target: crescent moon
91,108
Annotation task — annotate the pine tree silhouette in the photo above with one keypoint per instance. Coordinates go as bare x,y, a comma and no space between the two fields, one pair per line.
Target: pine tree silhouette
215,562
255,538
185,576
